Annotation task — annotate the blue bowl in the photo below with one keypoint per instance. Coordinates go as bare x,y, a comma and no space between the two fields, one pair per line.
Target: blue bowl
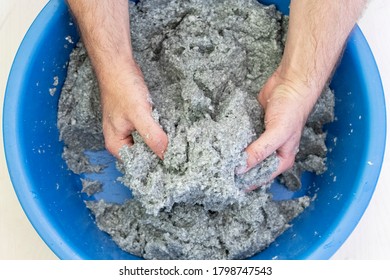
50,194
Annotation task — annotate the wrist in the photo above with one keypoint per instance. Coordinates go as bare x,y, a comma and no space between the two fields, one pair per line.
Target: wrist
118,71
293,85
299,81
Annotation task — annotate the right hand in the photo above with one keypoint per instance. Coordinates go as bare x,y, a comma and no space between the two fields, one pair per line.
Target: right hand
126,108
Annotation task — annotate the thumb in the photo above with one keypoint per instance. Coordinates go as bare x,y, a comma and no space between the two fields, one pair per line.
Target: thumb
152,133
265,145
260,149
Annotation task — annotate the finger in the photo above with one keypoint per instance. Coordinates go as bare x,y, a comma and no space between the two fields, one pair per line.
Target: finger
153,135
251,188
285,163
114,141
260,149
254,187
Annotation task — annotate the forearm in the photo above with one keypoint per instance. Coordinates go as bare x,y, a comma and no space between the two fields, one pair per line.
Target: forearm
316,37
105,30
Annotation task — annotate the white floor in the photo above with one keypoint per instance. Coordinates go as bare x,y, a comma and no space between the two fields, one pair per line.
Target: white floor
18,239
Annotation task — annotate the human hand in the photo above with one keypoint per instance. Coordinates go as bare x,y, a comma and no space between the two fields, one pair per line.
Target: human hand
124,94
287,104
126,108
314,43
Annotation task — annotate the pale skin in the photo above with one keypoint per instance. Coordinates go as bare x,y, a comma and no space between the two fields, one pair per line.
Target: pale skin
316,37
105,30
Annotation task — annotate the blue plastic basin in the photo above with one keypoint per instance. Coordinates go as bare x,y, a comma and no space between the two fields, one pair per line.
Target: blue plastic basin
50,194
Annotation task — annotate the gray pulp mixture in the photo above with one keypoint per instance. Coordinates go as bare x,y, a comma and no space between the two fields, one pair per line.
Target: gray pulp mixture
204,63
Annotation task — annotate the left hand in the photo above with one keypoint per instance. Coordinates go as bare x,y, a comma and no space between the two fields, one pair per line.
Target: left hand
287,104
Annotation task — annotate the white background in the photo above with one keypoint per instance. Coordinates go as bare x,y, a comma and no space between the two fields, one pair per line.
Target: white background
18,239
